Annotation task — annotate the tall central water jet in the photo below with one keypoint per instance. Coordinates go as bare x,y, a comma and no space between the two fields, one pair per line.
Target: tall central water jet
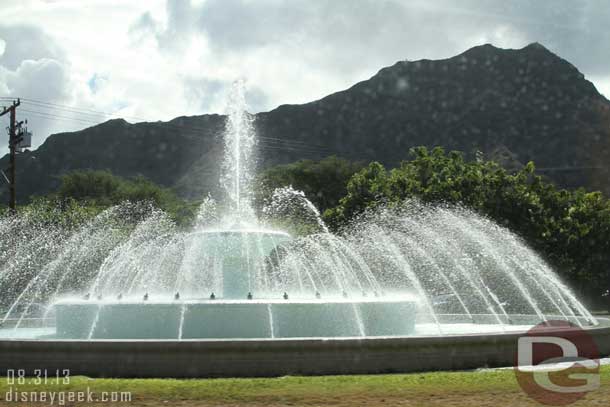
239,242
238,164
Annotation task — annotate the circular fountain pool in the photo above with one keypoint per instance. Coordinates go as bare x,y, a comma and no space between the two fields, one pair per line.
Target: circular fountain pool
396,275
406,288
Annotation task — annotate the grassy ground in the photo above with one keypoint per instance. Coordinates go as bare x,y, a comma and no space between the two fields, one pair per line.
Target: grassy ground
482,388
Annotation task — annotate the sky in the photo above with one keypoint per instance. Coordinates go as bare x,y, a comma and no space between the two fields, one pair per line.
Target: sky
80,62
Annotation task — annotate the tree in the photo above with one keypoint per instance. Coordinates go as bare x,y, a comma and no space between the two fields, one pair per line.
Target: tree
570,228
102,189
323,182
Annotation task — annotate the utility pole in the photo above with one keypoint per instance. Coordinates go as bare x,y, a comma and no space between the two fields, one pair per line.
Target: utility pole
13,140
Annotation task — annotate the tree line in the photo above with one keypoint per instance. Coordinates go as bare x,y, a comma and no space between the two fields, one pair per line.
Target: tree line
570,228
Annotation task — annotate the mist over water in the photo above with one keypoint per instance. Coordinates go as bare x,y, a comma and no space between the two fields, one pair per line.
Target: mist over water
44,259
291,208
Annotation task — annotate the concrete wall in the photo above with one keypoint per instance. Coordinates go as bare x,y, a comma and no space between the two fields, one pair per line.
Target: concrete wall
251,358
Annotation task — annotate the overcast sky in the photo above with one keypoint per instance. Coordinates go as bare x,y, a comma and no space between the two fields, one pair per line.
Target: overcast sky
158,59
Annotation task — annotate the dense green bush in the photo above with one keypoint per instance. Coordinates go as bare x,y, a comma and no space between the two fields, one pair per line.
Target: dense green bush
101,189
323,182
570,228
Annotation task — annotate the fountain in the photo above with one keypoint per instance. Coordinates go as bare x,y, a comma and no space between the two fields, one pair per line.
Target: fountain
397,278
231,260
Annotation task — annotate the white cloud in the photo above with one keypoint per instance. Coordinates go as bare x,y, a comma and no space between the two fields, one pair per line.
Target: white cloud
160,59
44,78
25,41
33,66
299,50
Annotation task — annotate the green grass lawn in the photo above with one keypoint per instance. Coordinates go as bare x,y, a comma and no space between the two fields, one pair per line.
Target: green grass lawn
479,388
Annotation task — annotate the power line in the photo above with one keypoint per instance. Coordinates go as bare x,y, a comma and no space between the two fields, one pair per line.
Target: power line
90,112
91,116
53,116
72,108
270,142
264,143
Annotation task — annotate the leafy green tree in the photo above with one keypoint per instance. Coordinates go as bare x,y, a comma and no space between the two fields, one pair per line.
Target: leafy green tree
101,189
323,182
43,211
570,228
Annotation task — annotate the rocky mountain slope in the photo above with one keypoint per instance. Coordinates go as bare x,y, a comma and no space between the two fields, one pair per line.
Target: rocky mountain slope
513,105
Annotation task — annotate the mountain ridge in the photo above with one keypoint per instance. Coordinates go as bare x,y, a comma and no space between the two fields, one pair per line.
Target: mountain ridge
528,104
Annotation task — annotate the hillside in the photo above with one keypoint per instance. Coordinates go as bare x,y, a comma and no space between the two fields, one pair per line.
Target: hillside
514,105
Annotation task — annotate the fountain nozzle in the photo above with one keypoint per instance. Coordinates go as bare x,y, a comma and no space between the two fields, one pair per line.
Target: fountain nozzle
145,298
249,296
285,296
212,296
177,296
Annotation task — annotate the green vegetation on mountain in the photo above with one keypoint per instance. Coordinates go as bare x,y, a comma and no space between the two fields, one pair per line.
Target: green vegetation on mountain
515,106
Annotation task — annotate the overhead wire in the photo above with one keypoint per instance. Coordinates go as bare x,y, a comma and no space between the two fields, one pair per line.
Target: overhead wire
106,115
94,117
91,116
264,143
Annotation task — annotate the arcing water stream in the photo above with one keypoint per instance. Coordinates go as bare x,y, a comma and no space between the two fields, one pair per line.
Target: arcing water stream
451,267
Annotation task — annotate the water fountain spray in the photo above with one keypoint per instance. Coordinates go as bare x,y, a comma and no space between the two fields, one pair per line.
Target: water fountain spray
410,269
238,164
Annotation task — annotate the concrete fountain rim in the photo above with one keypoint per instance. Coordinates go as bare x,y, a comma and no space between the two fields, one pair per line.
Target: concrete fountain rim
193,358
603,326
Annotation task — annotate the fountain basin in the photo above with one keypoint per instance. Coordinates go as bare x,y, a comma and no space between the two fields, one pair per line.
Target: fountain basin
272,357
232,319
